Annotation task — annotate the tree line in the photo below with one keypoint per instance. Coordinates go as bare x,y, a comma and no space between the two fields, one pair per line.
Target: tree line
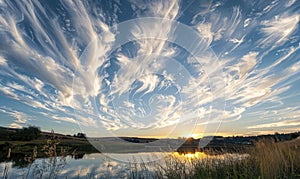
26,134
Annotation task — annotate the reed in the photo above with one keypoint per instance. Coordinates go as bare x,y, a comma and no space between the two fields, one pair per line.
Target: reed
267,159
53,162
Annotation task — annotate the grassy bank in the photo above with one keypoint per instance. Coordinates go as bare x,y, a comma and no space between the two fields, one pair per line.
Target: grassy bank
267,159
18,152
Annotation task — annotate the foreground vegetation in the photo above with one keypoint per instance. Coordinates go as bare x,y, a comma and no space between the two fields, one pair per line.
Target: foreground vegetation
21,142
267,159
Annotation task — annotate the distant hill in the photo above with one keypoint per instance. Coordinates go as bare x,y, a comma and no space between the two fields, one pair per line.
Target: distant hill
236,143
83,144
6,134
214,141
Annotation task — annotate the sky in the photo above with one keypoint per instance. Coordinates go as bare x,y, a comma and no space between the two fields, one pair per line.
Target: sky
151,68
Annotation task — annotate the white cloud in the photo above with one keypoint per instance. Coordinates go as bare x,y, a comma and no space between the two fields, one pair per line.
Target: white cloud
15,125
9,92
277,124
290,3
63,118
295,67
53,73
54,61
205,32
247,22
165,9
3,61
18,116
231,25
128,104
278,29
247,63
149,83
16,86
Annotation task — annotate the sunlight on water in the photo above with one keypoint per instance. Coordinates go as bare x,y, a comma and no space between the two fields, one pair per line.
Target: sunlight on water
121,164
195,155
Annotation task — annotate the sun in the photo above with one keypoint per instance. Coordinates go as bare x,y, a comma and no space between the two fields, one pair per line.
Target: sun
195,135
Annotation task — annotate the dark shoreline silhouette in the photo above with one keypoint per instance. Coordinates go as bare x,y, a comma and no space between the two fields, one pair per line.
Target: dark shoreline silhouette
78,144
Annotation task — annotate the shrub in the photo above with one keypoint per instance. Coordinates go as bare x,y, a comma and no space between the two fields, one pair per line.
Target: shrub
27,134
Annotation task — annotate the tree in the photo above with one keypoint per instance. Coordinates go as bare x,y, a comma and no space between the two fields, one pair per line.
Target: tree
80,135
27,133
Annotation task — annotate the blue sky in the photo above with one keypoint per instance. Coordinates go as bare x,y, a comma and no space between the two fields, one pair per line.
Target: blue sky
151,68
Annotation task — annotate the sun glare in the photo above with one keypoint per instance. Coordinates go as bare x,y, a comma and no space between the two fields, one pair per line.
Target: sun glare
195,136
190,155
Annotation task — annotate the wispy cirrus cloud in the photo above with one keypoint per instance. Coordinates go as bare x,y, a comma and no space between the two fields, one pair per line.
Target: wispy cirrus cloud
65,59
277,124
278,29
20,118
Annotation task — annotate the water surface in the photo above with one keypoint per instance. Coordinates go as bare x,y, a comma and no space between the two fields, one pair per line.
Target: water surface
98,165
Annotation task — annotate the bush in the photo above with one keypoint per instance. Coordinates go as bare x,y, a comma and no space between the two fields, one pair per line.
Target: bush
27,134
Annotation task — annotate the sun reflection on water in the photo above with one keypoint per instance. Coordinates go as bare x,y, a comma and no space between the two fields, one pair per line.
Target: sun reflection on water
195,155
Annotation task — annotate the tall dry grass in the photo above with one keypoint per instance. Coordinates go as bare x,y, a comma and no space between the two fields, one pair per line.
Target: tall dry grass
277,160
267,159
49,167
53,162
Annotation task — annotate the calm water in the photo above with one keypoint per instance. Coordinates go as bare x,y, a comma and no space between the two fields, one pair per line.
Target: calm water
94,165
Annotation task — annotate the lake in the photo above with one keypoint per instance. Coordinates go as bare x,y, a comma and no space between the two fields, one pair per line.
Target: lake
97,165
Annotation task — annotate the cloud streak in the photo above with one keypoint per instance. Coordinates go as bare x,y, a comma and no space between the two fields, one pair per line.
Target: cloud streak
59,60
